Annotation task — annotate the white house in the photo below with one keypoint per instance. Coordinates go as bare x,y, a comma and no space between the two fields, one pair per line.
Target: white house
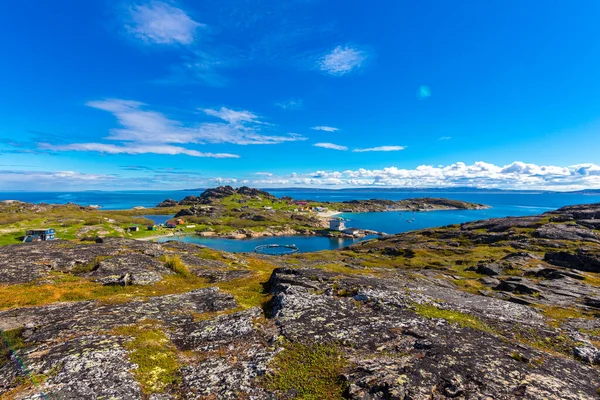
352,231
336,224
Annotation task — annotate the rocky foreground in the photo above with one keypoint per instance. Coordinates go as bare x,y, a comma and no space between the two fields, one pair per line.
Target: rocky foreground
499,309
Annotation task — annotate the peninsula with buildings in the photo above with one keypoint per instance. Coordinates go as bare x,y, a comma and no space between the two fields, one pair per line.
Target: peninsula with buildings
219,212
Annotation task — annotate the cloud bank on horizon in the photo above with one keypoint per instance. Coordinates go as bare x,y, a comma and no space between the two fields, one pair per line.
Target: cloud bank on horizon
515,176
295,93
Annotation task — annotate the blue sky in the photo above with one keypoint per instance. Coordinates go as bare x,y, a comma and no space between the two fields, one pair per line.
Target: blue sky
178,94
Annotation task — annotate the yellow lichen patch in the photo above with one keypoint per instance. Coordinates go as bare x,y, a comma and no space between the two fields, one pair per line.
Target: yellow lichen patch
454,317
314,371
154,354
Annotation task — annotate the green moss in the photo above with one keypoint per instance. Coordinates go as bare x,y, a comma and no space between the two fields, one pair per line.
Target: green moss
155,355
251,291
313,371
455,317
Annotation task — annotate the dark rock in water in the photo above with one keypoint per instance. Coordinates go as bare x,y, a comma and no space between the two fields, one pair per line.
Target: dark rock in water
583,259
168,203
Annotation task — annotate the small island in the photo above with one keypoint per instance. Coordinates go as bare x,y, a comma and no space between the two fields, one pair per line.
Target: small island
224,212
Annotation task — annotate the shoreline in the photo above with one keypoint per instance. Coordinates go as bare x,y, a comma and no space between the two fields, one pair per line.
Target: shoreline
321,215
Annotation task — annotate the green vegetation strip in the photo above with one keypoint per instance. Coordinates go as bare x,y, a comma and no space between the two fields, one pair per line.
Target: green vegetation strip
311,372
456,317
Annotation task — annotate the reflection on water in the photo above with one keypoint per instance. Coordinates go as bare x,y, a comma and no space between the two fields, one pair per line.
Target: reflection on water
305,244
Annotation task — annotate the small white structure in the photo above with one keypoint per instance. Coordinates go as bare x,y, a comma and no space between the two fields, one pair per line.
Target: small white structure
336,224
352,231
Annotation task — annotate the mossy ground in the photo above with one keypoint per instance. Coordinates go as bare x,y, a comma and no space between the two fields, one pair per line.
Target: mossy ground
155,355
455,317
310,371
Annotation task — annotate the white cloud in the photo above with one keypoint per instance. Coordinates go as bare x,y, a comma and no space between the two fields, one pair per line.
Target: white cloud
293,104
161,23
445,138
324,128
331,146
517,175
263,174
50,180
342,60
146,131
133,149
380,148
232,116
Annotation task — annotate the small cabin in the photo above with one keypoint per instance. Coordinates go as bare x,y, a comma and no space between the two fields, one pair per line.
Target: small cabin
171,224
133,229
352,231
151,227
337,224
320,209
36,235
180,221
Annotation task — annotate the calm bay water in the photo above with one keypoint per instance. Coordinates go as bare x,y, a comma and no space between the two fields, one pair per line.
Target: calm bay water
503,204
304,243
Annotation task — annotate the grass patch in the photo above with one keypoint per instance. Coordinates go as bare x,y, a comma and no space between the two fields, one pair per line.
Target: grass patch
592,279
557,345
454,317
153,352
469,285
66,287
558,315
313,371
251,291
175,264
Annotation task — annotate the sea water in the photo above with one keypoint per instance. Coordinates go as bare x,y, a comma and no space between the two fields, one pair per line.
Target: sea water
502,204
